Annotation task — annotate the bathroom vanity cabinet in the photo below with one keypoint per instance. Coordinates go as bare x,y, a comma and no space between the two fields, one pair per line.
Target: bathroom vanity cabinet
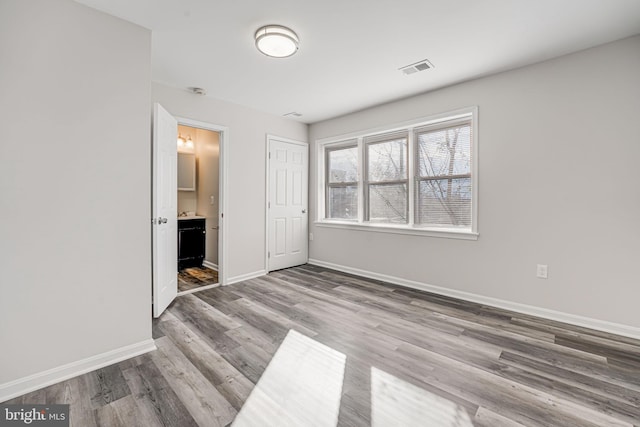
191,241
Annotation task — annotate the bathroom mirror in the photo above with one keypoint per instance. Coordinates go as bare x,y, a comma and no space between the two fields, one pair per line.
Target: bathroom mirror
186,172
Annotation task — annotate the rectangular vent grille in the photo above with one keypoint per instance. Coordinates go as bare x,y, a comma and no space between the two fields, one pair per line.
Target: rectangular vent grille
293,113
418,66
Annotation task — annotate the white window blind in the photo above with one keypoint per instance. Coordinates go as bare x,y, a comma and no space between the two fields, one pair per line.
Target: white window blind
386,184
443,182
342,182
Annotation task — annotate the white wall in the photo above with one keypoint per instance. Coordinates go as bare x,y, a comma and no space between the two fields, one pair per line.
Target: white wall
208,152
248,128
559,185
75,277
187,201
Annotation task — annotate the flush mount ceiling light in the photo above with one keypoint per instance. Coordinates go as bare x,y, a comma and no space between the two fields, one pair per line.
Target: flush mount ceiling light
276,41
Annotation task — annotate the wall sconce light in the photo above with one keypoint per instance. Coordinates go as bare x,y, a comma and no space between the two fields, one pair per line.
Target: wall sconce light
185,143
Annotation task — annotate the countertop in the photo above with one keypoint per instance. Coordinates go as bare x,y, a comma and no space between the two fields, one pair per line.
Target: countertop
181,218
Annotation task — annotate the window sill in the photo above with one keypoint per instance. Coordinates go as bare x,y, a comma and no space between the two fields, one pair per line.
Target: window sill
446,233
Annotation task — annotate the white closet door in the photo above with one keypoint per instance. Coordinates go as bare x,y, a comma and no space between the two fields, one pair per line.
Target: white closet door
288,199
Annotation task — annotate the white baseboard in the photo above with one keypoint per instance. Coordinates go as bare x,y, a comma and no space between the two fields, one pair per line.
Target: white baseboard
587,322
210,265
46,378
240,278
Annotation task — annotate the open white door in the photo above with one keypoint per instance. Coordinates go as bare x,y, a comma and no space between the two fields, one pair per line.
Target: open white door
287,204
165,208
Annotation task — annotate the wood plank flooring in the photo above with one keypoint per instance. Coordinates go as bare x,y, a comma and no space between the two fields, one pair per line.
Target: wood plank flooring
196,277
426,355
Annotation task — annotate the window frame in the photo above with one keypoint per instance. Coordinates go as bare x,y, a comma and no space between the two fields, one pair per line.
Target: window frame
410,128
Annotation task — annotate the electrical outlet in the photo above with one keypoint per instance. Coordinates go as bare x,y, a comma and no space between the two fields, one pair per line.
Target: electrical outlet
311,236
542,271
212,200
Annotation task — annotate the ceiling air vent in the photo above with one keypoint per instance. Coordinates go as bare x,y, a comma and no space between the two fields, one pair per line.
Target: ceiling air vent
292,114
418,66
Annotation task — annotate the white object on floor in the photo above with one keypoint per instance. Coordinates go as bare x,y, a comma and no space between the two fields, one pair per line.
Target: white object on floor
301,386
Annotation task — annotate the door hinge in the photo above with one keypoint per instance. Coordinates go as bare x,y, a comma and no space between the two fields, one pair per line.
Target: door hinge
269,154
269,254
269,205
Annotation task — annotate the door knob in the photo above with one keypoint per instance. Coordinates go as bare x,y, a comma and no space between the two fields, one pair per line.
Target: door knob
162,220
304,211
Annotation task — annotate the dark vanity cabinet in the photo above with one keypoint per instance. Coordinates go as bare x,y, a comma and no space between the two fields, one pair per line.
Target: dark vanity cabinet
191,241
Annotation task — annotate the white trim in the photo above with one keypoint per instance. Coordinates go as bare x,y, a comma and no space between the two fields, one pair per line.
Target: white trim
223,202
248,276
210,265
61,373
288,140
417,122
475,177
319,166
267,161
559,316
360,175
400,229
223,230
411,179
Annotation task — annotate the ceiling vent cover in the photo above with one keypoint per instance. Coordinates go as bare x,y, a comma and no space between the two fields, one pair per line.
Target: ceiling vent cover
292,114
418,66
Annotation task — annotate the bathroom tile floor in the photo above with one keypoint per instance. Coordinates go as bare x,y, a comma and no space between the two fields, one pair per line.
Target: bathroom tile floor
195,277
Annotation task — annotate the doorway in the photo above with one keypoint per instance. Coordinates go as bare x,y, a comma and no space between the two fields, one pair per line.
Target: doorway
164,206
198,214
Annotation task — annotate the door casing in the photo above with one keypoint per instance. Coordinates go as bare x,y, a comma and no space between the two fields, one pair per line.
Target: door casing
223,132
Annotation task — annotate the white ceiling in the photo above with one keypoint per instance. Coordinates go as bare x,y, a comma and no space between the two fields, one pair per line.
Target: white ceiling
350,50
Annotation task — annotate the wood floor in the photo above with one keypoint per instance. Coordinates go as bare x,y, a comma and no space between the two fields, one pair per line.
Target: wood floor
196,277
493,367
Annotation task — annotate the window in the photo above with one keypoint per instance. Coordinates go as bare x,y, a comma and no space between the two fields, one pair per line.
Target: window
342,182
419,178
444,176
387,182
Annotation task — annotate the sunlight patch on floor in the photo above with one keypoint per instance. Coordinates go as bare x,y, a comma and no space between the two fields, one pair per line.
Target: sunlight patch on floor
301,386
395,402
